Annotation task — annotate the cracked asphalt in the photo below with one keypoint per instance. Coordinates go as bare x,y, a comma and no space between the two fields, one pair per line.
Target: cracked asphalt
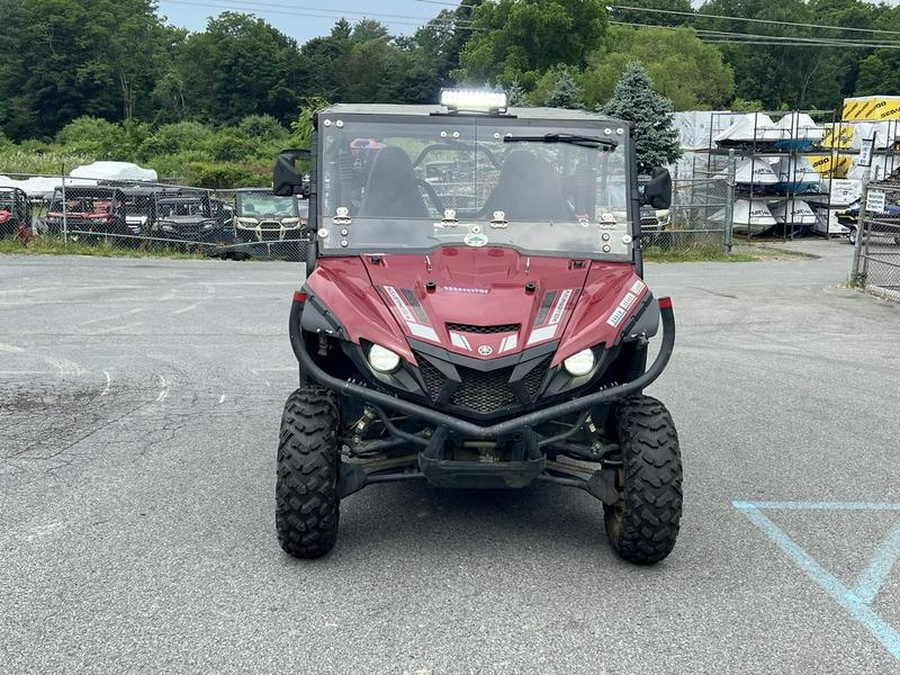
139,411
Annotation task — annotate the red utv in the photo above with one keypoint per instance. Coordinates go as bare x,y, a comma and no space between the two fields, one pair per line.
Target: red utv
485,342
15,214
89,214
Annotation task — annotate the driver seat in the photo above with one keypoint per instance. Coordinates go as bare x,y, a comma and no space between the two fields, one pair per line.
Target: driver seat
392,191
528,189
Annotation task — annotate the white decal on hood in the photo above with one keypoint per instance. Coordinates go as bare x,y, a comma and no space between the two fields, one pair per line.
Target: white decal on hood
459,340
626,303
509,343
426,332
561,306
399,304
548,331
617,317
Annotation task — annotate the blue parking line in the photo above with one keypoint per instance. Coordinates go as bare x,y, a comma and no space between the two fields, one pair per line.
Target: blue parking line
869,582
824,506
846,598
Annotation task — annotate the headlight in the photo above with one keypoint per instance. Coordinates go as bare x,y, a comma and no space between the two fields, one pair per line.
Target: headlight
247,221
580,364
382,359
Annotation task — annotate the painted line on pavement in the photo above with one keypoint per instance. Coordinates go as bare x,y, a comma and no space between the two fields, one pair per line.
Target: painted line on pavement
869,582
856,606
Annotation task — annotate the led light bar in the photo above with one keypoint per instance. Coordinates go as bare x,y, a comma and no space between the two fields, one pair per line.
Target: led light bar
475,100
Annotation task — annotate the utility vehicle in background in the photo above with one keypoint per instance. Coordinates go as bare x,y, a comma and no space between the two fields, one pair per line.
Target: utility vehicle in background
266,224
474,315
15,214
186,219
88,214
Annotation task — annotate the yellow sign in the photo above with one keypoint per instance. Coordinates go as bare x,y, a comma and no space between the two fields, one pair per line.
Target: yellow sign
837,136
871,108
831,166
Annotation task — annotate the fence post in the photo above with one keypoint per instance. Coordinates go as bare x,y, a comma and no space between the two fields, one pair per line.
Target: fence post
64,207
856,276
729,203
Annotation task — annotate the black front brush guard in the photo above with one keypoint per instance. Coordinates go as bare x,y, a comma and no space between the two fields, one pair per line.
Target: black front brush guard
469,429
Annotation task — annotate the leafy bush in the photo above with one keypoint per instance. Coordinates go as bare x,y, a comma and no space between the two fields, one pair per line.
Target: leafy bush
172,138
95,137
262,127
220,175
227,145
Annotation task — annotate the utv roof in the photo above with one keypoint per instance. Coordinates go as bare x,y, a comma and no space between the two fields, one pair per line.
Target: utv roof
88,190
426,110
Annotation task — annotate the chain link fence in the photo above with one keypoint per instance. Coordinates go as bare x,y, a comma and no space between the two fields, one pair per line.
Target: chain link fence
252,223
701,215
876,232
158,217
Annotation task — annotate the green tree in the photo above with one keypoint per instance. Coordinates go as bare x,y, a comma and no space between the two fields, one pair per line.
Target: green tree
557,88
372,70
792,75
650,113
650,18
302,127
238,65
78,57
320,57
689,72
433,53
520,39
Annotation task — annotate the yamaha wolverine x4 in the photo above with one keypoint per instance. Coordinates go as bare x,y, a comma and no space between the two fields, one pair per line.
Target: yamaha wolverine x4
474,315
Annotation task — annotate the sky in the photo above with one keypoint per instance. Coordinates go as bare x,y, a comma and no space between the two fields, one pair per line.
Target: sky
310,18
307,18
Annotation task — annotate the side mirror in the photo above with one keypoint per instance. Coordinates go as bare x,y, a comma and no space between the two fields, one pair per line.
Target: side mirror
286,178
658,190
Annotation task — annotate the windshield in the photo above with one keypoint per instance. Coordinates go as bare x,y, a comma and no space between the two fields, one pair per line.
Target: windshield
537,185
256,204
83,203
182,207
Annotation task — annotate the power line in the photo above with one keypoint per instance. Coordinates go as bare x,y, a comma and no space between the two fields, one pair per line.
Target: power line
317,12
748,20
748,38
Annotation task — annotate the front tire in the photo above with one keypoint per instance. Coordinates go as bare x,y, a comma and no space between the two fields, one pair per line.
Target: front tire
643,525
852,235
307,509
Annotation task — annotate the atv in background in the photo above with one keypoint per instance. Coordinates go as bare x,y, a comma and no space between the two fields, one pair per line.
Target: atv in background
15,214
474,315
88,214
268,225
185,219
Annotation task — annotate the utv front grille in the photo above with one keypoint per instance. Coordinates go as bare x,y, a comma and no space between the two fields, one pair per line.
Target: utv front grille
484,330
483,391
534,378
434,378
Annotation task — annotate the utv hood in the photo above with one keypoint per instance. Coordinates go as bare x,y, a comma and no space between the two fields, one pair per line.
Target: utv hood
480,302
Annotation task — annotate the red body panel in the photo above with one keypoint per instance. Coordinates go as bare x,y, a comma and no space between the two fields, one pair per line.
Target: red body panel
476,287
4,216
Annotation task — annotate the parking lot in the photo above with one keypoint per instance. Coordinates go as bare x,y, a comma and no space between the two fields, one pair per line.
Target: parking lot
140,402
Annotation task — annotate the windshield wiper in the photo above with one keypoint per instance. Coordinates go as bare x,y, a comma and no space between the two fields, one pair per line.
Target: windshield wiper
573,139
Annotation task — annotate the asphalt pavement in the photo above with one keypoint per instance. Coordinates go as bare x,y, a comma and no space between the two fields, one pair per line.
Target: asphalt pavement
139,411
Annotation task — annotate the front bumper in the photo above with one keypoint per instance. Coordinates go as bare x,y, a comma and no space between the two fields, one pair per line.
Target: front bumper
466,428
